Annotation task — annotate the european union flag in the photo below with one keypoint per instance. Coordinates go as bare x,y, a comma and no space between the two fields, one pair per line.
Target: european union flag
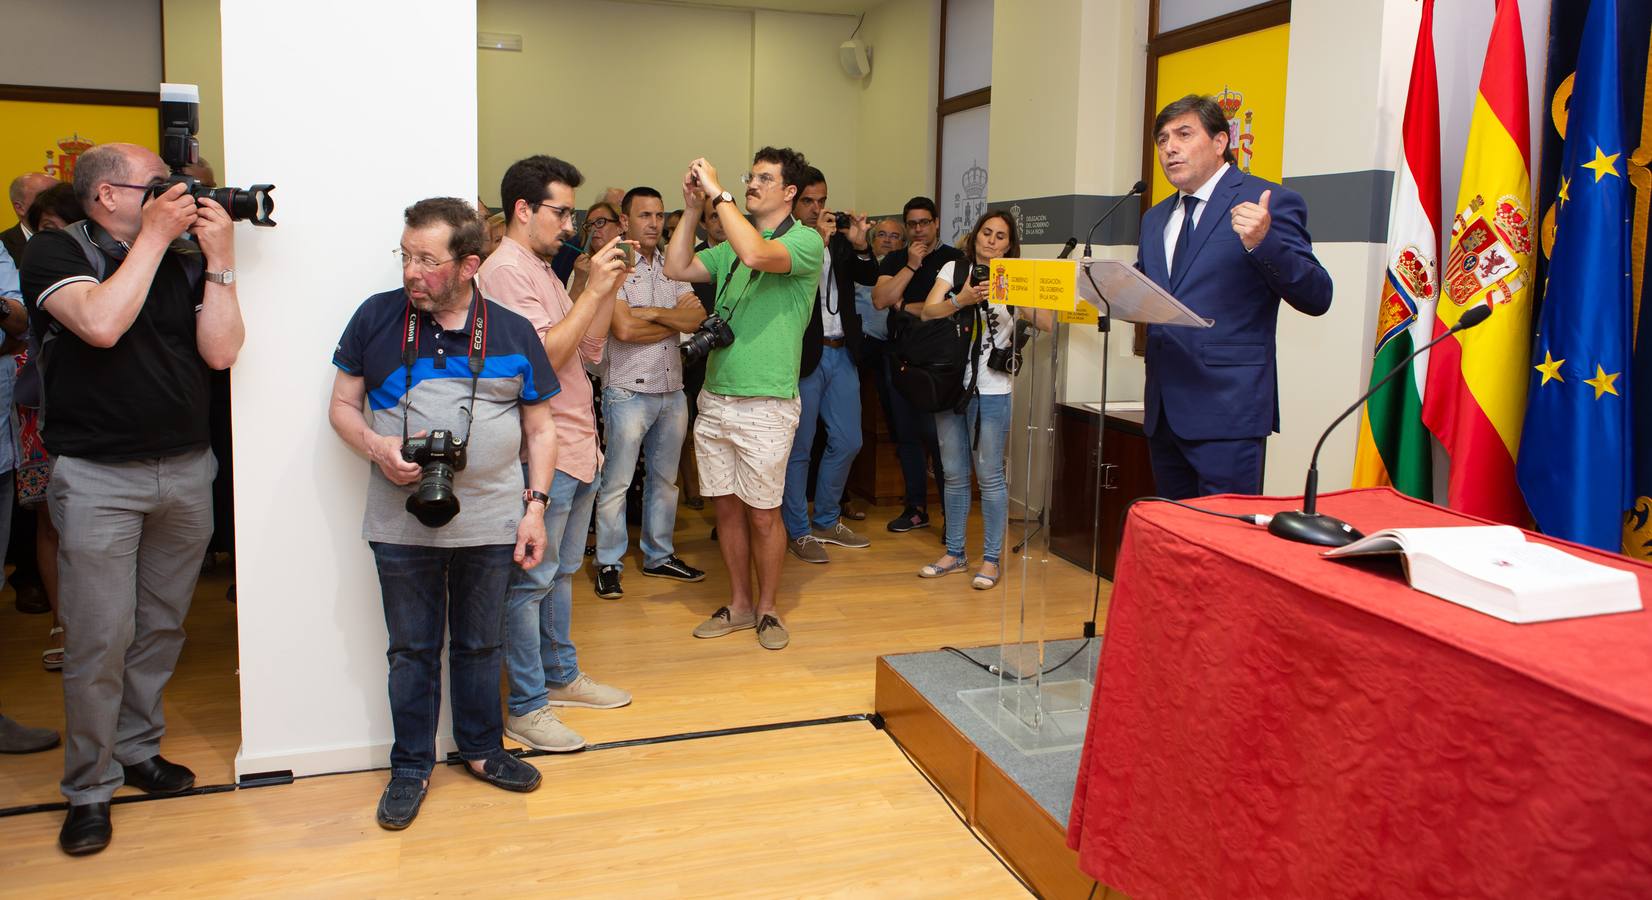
1574,464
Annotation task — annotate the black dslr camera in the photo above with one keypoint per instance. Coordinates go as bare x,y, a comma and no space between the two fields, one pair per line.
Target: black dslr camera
713,334
180,120
440,454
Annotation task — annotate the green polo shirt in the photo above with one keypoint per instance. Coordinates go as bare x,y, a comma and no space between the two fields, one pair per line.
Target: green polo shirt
768,313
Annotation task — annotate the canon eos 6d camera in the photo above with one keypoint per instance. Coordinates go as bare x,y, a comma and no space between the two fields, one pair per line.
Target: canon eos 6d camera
439,455
180,120
713,334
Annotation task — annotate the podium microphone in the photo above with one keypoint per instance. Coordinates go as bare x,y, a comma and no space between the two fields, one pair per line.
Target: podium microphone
1067,248
1135,189
1307,525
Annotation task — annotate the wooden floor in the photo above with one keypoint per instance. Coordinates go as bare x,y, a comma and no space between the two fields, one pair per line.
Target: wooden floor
806,811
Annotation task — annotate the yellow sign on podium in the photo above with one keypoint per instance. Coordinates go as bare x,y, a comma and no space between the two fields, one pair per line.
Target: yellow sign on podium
1039,283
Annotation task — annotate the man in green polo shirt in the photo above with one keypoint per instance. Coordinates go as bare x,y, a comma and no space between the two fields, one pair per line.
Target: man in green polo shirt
764,277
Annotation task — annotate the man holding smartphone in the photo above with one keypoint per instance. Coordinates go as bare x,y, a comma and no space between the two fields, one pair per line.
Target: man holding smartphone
537,194
642,402
765,276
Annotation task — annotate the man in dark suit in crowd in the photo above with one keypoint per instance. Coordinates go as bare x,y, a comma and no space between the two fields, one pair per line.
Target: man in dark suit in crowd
24,188
1230,246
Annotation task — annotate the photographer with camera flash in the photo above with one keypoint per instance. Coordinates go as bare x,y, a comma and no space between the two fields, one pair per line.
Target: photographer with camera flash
129,319
455,385
765,276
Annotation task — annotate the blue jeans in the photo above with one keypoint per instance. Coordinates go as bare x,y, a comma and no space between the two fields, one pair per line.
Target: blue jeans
539,606
830,394
654,425
421,586
956,432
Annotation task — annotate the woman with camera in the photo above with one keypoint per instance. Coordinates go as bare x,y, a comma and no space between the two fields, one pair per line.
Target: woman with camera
962,288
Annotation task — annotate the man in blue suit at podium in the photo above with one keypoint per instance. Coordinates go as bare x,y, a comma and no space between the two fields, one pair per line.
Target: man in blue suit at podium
1230,246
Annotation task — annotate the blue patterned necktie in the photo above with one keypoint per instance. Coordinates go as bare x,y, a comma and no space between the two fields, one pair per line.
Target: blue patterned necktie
1184,241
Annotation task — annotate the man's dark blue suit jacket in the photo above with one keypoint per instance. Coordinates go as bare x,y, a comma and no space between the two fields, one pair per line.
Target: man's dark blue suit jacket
1222,382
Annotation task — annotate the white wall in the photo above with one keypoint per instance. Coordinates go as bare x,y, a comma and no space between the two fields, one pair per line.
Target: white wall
311,625
112,45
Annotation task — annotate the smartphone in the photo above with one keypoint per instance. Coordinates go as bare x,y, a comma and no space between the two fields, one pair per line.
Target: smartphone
630,255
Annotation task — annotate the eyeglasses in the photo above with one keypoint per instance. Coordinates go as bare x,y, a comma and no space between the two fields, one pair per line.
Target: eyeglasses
764,178
562,212
887,236
421,262
135,187
919,223
600,222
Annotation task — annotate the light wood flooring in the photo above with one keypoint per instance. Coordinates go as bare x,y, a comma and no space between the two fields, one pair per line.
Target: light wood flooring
822,810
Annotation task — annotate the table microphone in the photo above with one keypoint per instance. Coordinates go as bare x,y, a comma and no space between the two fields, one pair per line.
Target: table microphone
1307,525
1067,248
1135,189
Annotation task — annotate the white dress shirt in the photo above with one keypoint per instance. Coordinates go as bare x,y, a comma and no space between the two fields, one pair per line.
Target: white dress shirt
1173,225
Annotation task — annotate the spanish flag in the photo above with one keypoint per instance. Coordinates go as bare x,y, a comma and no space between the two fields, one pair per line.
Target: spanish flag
1393,444
1477,380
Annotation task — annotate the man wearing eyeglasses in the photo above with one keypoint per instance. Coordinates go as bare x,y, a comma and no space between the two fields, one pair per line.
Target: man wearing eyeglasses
537,195
766,274
130,320
436,355
905,276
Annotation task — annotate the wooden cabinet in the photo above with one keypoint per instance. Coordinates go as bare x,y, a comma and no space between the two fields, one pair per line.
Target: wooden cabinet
1126,474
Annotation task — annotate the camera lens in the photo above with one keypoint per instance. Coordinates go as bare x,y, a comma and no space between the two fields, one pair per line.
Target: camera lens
434,504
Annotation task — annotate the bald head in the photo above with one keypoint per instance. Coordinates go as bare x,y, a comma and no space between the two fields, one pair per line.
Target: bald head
888,235
24,188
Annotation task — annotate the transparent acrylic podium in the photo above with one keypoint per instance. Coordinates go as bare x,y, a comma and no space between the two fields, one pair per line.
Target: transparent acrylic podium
1042,700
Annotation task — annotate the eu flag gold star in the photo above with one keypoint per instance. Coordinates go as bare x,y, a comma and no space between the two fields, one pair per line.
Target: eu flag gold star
1550,367
1565,188
1602,165
1603,383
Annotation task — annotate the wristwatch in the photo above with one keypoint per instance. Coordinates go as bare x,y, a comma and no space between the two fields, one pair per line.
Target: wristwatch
724,197
530,495
225,277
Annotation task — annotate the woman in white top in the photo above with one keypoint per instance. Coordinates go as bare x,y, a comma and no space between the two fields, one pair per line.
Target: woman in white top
994,236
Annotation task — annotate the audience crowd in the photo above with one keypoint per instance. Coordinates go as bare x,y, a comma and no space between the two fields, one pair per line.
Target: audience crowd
571,371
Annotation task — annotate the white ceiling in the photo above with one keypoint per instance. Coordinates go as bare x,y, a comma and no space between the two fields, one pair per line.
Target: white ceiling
838,7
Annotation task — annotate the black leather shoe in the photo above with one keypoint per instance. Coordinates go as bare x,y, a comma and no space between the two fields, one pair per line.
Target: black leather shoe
31,599
157,776
399,805
508,772
86,829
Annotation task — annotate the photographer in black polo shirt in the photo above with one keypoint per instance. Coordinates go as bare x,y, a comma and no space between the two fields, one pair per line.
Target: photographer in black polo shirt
129,316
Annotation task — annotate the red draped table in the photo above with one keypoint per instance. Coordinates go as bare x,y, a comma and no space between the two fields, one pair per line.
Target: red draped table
1267,723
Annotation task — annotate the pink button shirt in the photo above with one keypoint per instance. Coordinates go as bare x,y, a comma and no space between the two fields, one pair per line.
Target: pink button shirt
516,278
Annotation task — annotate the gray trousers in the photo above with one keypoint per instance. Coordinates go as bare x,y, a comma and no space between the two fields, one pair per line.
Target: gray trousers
133,536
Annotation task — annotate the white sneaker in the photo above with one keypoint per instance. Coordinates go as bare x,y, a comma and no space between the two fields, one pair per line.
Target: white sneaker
588,692
542,730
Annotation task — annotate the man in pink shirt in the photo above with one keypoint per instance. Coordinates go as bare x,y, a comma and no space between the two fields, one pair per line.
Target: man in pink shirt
537,195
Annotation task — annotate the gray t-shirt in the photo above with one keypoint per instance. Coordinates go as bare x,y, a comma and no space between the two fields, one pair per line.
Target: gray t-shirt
515,371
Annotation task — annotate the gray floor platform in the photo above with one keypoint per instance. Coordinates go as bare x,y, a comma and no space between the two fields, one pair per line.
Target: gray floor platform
1048,777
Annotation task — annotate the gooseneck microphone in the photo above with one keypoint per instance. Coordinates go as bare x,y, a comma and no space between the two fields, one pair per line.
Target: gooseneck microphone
1067,248
1308,525
1135,189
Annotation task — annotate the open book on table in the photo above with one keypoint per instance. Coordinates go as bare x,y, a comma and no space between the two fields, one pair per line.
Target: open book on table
1495,570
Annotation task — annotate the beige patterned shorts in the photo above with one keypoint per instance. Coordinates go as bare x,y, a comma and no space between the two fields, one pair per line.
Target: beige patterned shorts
741,445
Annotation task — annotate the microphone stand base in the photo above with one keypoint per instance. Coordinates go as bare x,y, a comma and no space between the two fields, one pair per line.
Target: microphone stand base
1313,528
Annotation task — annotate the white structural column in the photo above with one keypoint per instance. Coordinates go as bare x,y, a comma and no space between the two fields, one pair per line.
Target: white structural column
353,110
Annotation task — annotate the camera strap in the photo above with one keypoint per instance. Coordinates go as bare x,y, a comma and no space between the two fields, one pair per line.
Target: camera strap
784,226
476,356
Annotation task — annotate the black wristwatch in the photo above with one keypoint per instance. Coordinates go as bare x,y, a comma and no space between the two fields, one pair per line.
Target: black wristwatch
530,495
